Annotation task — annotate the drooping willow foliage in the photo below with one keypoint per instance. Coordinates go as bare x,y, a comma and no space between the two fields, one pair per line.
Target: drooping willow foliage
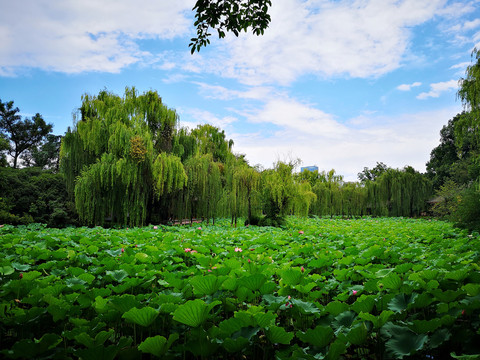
113,159
393,193
127,162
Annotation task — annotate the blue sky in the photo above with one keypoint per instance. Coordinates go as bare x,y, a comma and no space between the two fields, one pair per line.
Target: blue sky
339,84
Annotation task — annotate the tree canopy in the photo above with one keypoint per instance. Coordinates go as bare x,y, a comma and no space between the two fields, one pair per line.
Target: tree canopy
21,135
228,16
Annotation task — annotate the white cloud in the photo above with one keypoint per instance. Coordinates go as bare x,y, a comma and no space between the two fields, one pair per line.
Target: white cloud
405,139
200,117
325,38
408,87
437,88
222,93
76,36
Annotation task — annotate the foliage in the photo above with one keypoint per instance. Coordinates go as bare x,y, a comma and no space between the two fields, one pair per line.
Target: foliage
372,174
372,288
467,214
117,159
32,195
230,15
24,134
447,200
45,155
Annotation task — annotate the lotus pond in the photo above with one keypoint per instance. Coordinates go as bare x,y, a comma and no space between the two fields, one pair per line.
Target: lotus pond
318,289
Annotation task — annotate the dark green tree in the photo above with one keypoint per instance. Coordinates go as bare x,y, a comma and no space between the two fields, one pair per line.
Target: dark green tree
21,134
228,16
46,155
372,174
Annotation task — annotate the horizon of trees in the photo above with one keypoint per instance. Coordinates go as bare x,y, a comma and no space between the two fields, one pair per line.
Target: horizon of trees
127,161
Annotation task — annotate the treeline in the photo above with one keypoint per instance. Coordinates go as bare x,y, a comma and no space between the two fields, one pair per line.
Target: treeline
127,161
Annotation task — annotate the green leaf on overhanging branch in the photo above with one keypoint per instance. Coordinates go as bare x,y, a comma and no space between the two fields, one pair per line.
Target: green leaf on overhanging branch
143,317
320,336
401,302
207,285
157,345
278,335
194,312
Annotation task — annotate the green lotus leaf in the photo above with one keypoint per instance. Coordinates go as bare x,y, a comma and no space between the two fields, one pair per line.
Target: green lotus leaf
465,357
118,275
6,270
194,312
401,302
246,332
124,303
305,307
207,285
439,337
471,289
336,307
344,320
265,319
31,349
358,334
88,278
20,267
446,296
278,335
391,281
291,276
425,326
320,336
364,303
457,275
336,349
402,341
403,268
377,321
253,282
142,257
157,345
231,325
235,345
143,317
31,275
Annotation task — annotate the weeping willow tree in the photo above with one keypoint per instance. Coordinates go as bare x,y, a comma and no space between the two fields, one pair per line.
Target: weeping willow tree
116,159
203,191
398,193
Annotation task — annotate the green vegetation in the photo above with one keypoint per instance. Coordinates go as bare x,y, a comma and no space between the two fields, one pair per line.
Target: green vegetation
320,288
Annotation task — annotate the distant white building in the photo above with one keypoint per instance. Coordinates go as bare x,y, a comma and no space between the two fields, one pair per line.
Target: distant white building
309,168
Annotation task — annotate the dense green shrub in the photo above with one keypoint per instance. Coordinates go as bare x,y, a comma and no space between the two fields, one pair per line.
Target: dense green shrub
467,214
34,195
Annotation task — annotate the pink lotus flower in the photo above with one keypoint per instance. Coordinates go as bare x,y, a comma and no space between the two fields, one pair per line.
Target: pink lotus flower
194,251
155,227
289,297
187,250
214,267
463,312
354,292
291,306
287,303
302,269
199,228
237,249
20,276
301,232
123,250
249,261
209,270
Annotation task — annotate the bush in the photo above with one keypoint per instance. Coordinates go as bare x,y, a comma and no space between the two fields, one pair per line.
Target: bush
467,214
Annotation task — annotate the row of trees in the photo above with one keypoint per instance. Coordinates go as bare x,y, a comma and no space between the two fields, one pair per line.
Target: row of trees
127,161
